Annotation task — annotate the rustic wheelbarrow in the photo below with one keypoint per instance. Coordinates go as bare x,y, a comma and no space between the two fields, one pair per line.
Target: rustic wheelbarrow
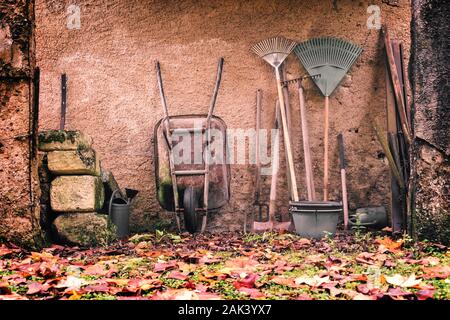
192,171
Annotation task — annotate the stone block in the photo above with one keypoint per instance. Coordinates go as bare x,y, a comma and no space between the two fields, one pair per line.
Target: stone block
77,194
74,162
61,140
84,229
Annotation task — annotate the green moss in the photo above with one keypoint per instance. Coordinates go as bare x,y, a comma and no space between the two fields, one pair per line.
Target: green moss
442,289
160,224
228,291
165,195
97,296
173,283
87,156
57,136
99,194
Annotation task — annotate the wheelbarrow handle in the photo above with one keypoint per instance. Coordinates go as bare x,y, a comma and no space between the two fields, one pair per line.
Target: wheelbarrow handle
216,89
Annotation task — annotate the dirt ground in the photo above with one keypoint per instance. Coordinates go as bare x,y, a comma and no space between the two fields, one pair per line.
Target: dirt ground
113,92
164,266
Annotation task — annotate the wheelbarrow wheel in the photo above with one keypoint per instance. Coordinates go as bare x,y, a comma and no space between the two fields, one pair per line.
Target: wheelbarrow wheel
191,203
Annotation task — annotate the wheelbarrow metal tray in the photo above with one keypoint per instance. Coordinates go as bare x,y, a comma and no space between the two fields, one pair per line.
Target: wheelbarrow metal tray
219,177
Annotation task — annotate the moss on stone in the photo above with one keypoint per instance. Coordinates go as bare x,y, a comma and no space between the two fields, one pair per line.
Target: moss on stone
63,140
87,156
58,136
100,194
84,229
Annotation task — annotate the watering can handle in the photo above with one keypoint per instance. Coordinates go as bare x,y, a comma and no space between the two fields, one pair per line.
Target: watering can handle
111,201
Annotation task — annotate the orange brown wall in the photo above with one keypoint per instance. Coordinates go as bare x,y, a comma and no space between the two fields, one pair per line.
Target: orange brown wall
113,92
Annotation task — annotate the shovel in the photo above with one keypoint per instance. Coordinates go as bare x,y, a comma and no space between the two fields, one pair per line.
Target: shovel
259,207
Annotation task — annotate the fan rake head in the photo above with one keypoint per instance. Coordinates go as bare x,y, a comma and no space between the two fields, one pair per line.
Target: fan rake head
274,50
329,57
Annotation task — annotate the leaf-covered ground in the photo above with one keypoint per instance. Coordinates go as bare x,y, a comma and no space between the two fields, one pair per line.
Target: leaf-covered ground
231,266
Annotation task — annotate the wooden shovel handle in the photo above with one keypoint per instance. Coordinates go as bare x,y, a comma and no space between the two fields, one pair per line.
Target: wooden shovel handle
275,167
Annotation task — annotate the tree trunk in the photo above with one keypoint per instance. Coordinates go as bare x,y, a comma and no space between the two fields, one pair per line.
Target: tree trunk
430,74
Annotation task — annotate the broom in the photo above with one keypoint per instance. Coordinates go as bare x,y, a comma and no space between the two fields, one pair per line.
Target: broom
331,58
274,51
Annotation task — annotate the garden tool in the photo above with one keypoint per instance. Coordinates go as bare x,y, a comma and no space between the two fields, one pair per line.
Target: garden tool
274,51
306,148
279,226
343,179
269,225
62,123
259,206
331,58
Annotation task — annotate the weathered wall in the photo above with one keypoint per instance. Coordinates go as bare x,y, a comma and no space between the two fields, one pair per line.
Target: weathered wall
113,93
19,214
430,73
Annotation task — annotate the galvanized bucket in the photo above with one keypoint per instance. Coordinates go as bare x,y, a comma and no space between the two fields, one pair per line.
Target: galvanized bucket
315,219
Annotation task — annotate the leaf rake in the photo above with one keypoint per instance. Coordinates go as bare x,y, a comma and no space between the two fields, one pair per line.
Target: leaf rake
274,51
332,58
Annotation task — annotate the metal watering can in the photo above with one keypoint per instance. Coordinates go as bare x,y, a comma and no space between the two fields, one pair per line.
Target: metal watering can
374,218
119,211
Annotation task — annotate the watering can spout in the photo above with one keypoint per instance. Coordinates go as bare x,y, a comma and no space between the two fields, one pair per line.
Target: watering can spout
131,194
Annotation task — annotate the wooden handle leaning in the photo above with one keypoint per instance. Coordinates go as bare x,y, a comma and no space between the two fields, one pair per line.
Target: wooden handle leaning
306,146
343,179
325,155
287,139
275,168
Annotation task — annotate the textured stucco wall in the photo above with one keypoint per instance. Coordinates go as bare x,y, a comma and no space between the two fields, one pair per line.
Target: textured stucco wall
19,211
430,76
113,93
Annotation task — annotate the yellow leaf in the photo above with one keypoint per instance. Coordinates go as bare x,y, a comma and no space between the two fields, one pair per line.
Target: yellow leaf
75,296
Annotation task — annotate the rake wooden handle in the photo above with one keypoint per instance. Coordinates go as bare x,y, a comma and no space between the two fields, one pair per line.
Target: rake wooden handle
287,139
288,117
257,148
306,146
325,155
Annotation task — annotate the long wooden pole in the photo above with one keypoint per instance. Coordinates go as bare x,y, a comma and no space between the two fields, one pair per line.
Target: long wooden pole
62,123
287,139
397,87
325,155
343,179
306,146
275,169
288,117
